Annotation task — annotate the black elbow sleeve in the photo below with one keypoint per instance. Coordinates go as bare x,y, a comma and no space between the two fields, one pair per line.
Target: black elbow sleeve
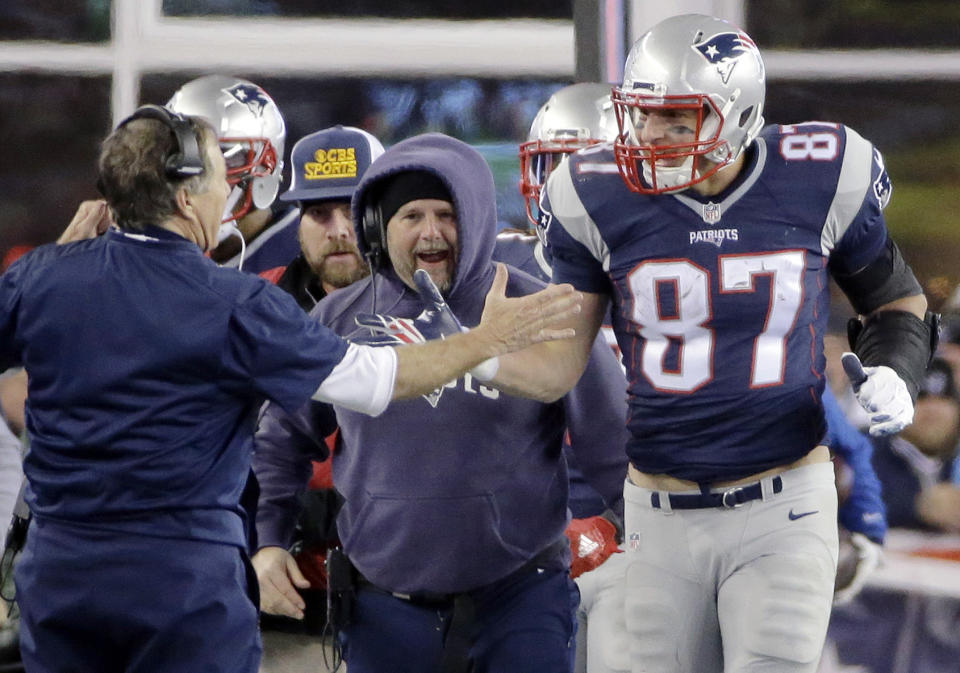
885,279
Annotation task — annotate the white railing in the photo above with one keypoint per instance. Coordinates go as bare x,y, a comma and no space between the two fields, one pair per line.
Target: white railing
145,41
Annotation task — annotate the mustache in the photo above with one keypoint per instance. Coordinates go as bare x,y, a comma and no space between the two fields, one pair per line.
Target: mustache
342,246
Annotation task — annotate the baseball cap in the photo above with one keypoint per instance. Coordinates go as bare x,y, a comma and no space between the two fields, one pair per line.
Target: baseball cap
328,164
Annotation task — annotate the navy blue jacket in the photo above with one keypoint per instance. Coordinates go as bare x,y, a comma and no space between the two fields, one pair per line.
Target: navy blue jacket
147,363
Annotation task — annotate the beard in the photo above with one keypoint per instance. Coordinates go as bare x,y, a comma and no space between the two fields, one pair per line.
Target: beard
339,273
340,277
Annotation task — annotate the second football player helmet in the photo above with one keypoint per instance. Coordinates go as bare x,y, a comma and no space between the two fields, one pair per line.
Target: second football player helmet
574,117
251,132
688,63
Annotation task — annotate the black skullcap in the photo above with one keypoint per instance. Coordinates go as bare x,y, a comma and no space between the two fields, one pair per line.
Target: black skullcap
409,186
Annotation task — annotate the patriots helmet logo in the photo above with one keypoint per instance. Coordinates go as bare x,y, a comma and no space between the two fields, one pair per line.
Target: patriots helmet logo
250,95
724,50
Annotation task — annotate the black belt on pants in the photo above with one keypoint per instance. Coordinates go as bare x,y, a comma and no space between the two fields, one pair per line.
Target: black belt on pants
732,497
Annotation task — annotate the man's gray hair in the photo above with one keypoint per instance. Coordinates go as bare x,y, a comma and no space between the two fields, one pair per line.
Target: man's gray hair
133,176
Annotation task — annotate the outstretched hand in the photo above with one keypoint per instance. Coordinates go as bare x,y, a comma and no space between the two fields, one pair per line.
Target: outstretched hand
518,322
436,321
436,316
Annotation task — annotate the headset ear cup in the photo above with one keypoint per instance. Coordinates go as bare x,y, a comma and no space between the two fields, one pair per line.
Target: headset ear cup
172,165
187,159
373,233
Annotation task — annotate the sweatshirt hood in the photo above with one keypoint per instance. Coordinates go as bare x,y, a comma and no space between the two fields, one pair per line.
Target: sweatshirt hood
466,175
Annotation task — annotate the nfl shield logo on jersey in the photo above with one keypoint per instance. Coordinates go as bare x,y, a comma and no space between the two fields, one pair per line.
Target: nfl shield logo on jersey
711,212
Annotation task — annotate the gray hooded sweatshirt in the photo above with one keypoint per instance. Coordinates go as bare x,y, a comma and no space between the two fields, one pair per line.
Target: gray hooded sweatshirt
451,491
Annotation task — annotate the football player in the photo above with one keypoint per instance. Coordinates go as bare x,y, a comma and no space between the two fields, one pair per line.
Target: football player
577,117
713,237
254,236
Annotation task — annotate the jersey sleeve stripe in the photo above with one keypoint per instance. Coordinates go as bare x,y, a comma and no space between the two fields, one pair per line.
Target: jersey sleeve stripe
852,186
569,212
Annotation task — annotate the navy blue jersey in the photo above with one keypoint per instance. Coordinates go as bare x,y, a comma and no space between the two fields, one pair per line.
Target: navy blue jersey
147,363
720,304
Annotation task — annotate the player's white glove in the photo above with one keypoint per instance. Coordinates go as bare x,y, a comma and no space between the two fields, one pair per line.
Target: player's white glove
866,556
882,394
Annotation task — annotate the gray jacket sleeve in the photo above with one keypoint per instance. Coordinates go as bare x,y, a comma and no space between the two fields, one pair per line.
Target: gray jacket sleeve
284,447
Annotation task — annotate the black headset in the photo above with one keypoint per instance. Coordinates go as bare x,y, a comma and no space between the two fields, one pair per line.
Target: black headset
186,160
373,230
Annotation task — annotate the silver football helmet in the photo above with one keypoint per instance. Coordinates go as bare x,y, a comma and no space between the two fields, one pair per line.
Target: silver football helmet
574,117
251,132
690,63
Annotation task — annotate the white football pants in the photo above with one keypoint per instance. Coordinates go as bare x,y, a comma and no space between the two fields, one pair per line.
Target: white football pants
744,590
